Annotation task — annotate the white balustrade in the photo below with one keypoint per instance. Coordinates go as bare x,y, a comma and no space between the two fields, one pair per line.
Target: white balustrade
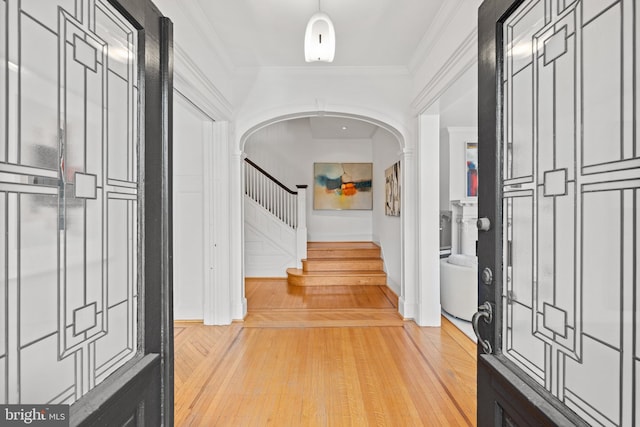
272,195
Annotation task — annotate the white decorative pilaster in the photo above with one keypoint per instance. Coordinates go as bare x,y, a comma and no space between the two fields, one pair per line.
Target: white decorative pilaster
236,236
407,303
225,296
301,228
209,250
428,178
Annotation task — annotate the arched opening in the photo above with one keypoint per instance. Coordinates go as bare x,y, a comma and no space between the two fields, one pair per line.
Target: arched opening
287,147
336,115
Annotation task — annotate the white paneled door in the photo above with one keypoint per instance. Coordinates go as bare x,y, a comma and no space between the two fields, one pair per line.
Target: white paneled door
563,248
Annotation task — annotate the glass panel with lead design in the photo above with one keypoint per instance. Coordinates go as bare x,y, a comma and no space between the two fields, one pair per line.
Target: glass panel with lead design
570,198
68,197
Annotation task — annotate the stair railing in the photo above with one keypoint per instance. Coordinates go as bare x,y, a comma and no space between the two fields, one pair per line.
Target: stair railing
287,205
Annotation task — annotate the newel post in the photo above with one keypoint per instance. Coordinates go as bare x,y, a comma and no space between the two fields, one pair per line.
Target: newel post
301,228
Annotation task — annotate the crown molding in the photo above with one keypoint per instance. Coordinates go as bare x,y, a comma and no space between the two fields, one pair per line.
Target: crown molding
327,70
462,129
195,85
440,21
205,28
463,57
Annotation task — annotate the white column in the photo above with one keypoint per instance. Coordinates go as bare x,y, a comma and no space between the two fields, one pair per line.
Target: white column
209,238
236,236
407,303
429,311
301,229
223,299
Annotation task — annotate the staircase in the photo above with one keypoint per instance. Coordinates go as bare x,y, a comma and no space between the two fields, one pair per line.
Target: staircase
275,223
339,264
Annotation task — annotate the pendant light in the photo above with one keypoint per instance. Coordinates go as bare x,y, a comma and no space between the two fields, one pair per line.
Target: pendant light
319,38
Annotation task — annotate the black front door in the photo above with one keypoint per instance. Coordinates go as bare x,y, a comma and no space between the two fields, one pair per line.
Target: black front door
559,160
85,128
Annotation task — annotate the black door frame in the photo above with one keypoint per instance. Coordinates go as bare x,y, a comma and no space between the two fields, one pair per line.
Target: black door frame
502,388
141,391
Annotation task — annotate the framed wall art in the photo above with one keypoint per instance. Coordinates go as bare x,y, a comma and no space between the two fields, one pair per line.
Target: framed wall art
471,154
342,186
392,190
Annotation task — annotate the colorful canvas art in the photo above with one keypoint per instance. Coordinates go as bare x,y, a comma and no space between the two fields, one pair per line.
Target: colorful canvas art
342,186
472,169
392,190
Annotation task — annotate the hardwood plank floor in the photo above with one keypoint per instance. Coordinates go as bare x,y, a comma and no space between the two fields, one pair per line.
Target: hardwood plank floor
361,375
275,294
275,303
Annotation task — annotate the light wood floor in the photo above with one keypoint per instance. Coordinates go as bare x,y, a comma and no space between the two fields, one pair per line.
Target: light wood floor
333,370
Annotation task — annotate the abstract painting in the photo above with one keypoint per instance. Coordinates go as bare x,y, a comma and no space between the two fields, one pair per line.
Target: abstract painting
342,186
472,169
392,190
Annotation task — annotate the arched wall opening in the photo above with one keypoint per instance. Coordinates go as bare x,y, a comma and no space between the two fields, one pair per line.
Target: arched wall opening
381,123
288,145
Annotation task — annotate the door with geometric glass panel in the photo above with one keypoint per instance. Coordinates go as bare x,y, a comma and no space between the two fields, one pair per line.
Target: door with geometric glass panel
558,251
84,303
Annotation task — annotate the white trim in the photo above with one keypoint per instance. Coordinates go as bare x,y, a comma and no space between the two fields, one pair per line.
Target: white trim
324,70
463,129
406,309
224,298
198,18
463,57
434,33
208,306
250,126
196,86
428,278
235,220
409,225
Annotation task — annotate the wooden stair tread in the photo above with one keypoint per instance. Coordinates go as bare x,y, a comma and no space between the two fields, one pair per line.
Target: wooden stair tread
342,254
341,245
300,272
358,258
340,264
346,264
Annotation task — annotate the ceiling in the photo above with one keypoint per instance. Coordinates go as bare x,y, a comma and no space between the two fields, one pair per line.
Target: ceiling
340,128
255,33
270,33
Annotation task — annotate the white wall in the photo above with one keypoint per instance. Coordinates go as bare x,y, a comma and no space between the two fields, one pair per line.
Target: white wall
380,93
205,76
458,107
387,230
188,210
201,72
269,243
395,96
288,151
446,52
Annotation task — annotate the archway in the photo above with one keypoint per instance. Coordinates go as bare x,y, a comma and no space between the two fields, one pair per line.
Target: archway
394,130
406,223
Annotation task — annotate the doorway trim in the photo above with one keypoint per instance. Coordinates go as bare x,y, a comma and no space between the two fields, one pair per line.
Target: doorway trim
409,286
